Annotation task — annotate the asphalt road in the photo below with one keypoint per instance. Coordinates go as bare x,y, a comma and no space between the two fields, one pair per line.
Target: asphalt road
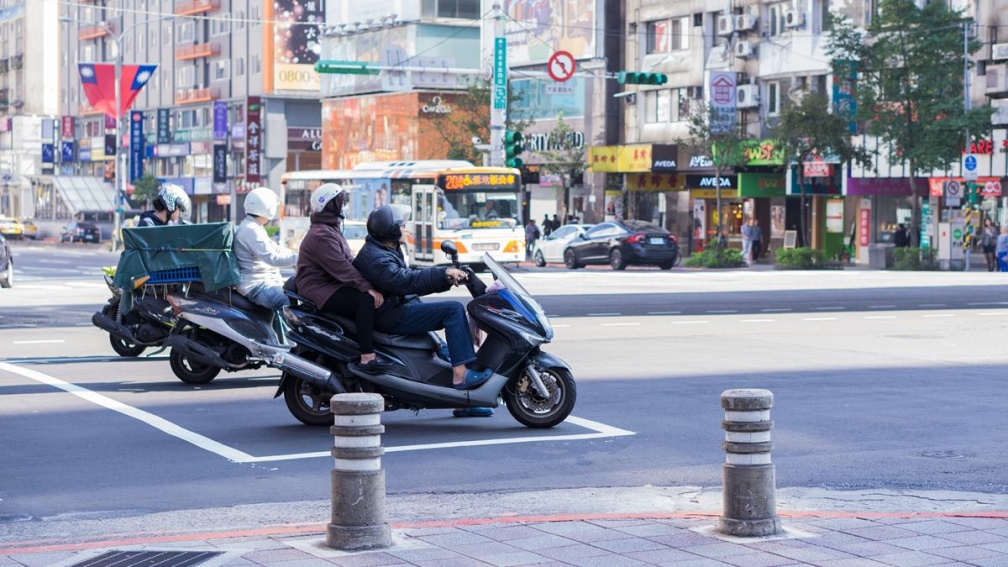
881,380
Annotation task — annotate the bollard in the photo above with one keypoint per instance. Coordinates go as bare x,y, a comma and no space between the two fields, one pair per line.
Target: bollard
358,481
748,475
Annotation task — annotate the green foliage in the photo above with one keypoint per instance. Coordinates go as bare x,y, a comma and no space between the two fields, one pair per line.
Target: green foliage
145,189
470,117
802,259
909,259
716,258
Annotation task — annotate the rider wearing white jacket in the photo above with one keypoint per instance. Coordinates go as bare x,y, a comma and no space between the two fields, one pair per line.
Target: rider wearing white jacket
259,258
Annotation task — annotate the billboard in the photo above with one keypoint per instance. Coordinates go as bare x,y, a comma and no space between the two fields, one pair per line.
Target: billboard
535,29
291,40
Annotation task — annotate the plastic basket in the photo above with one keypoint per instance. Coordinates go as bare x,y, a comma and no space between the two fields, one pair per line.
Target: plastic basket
175,275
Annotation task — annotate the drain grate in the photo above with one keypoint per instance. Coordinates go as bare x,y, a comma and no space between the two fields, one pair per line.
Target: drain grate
148,559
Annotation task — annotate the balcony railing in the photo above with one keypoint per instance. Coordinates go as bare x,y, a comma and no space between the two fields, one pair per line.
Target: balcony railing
92,32
189,52
194,96
193,7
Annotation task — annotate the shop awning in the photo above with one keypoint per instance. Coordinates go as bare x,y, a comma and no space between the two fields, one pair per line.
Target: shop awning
82,193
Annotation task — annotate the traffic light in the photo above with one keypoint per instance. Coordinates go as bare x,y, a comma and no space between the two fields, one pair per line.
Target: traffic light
512,147
635,78
972,193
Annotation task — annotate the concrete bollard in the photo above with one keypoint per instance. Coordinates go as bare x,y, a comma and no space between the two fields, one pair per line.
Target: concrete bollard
358,481
750,507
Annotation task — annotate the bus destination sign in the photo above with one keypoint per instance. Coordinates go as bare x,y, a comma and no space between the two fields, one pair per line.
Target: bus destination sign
478,181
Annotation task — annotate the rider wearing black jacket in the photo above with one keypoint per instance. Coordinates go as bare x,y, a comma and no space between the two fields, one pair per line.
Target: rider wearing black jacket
381,262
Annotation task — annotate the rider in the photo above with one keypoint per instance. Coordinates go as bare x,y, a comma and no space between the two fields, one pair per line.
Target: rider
326,276
259,258
171,205
381,262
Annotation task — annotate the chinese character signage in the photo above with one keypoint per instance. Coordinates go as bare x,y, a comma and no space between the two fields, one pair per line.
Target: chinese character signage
163,130
67,129
292,44
219,163
136,145
623,159
220,120
253,142
479,181
722,102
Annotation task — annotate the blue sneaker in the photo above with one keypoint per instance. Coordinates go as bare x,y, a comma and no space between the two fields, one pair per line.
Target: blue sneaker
473,412
473,379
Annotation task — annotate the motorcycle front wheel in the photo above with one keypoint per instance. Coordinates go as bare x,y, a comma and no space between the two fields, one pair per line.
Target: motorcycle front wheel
531,409
122,347
191,371
306,402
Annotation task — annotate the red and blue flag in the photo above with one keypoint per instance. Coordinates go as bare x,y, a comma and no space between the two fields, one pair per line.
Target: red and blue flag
98,80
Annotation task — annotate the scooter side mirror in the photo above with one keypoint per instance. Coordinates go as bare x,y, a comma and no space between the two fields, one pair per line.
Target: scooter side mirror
449,248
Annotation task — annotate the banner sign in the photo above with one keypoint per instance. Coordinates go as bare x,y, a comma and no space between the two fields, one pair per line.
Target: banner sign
68,128
220,129
67,151
110,144
722,102
48,153
253,142
219,163
163,131
136,145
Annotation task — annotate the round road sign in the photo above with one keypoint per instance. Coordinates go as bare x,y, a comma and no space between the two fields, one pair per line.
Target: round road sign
561,66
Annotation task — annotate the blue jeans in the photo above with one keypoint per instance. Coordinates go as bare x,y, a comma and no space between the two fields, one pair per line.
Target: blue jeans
268,296
419,317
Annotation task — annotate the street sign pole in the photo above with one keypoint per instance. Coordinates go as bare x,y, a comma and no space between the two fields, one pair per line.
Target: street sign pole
498,90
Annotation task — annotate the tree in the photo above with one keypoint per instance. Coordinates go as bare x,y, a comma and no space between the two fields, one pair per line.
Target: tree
565,157
145,189
809,129
716,132
470,118
908,85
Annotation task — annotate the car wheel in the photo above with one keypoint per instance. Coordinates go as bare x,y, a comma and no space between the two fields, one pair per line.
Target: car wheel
7,277
616,260
570,260
668,265
539,260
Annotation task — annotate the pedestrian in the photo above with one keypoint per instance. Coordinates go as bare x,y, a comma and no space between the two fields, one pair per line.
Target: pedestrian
900,237
747,232
547,228
757,239
1001,250
556,222
531,235
988,241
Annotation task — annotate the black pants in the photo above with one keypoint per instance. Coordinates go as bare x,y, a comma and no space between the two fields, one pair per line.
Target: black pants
757,246
351,302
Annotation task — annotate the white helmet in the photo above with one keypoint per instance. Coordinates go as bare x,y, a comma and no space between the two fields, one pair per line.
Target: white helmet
262,202
174,197
325,193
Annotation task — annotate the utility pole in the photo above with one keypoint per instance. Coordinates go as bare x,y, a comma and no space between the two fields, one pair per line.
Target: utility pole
498,91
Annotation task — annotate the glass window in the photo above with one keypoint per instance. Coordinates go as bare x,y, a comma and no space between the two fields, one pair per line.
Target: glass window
776,19
663,107
221,70
491,210
658,36
680,34
186,32
773,98
465,9
650,107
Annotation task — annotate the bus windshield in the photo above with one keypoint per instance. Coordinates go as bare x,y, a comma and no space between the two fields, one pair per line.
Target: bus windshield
458,210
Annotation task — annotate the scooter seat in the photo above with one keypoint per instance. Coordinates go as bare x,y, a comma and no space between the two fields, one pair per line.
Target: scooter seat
229,296
424,341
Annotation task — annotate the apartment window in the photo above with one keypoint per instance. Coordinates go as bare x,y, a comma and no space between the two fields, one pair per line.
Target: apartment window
221,25
254,16
240,67
256,65
773,98
463,9
240,19
220,70
666,105
186,32
185,77
668,35
776,18
88,53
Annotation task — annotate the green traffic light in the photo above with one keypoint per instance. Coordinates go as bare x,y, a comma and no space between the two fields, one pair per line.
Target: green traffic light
636,78
512,147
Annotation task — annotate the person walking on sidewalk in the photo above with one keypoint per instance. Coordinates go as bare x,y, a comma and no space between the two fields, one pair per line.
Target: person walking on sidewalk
531,235
747,232
988,241
1001,250
757,240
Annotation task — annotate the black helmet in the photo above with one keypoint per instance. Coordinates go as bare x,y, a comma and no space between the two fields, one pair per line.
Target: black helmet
386,223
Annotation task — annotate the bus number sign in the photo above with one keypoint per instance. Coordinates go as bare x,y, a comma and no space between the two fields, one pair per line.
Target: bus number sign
473,181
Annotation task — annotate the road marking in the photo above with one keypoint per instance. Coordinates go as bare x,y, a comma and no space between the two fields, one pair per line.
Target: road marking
991,314
776,310
931,305
881,306
830,308
664,312
38,342
598,430
940,315
721,311
604,314
756,321
819,319
880,317
688,322
619,324
989,303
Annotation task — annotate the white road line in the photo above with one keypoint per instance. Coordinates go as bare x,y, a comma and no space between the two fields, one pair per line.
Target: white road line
598,430
880,317
830,308
819,319
940,315
989,303
688,322
664,312
776,310
721,311
604,314
38,342
756,321
931,305
619,324
881,306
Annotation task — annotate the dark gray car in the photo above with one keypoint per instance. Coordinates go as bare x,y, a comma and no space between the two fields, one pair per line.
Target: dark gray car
623,243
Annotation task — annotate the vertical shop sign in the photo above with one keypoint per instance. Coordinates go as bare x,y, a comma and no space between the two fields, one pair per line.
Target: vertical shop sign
136,145
67,151
864,224
219,163
163,131
253,142
68,128
220,128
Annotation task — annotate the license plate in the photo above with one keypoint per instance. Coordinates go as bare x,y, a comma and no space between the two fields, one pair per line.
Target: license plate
483,247
656,241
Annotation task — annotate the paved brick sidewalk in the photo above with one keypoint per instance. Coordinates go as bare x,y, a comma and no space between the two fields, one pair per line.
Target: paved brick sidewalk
811,538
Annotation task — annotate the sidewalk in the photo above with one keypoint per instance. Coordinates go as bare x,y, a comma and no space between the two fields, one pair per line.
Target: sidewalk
933,534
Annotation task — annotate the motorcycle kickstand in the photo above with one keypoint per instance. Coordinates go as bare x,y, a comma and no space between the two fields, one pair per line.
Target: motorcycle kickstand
537,382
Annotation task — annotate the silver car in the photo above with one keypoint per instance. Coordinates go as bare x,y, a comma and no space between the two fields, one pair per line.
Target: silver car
551,248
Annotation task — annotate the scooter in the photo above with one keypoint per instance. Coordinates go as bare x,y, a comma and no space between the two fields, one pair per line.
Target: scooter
537,388
145,323
223,330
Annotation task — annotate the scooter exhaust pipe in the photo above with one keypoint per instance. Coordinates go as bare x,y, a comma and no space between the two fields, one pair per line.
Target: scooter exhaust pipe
197,352
112,327
308,371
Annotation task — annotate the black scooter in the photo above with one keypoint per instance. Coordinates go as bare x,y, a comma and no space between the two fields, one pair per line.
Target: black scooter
537,388
145,322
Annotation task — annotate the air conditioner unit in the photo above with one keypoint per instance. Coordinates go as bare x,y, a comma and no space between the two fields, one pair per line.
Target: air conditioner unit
794,18
744,22
725,24
744,49
746,96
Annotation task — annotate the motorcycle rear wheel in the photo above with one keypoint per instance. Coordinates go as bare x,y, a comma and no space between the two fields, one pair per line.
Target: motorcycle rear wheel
308,403
532,410
122,347
191,371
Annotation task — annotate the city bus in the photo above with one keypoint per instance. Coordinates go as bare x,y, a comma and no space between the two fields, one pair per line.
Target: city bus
478,208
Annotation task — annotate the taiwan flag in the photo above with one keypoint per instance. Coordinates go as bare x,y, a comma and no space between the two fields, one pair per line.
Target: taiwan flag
98,80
